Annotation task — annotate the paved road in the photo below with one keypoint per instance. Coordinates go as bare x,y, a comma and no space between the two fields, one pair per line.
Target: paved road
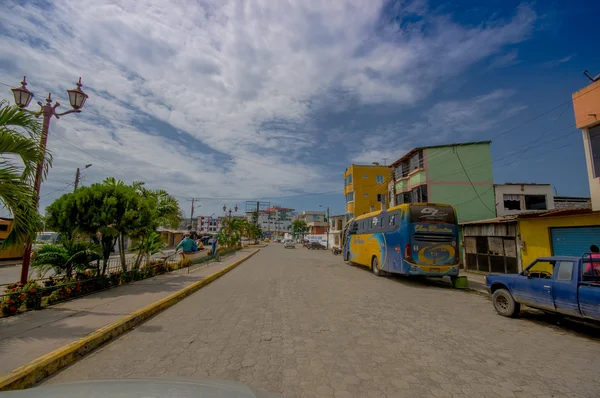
304,323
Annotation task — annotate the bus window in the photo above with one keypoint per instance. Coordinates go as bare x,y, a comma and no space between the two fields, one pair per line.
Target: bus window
381,222
392,220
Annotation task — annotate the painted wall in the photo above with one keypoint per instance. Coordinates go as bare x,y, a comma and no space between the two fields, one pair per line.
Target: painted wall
535,233
364,181
523,189
447,182
593,181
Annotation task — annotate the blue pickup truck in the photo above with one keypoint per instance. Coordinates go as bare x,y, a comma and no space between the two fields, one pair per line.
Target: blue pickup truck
565,285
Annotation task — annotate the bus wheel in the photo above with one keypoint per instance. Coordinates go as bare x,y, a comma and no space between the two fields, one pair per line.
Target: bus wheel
374,267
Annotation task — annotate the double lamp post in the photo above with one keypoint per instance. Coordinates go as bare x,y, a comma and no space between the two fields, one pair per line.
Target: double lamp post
23,97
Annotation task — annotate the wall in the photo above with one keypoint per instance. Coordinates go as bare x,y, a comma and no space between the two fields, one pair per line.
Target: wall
594,183
361,186
524,189
535,233
448,183
586,105
15,251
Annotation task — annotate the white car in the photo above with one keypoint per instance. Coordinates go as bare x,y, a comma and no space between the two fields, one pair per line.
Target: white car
289,243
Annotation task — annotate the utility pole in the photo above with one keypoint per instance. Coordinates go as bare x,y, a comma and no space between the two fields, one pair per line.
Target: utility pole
192,213
78,177
77,174
328,225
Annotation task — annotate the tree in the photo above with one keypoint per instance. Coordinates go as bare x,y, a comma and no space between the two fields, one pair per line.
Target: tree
17,180
299,227
166,214
231,232
65,257
152,244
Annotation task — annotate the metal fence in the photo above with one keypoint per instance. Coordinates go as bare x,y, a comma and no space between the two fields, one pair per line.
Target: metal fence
55,289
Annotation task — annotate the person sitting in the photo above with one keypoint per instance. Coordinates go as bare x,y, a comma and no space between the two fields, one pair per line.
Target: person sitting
592,266
187,245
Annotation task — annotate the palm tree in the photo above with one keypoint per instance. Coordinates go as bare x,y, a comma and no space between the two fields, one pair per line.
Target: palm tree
17,180
65,257
231,232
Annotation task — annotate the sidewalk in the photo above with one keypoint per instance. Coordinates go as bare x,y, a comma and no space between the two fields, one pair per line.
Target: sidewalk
30,335
475,281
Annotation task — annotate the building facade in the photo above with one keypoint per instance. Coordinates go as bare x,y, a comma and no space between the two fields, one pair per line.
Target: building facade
365,188
586,105
209,224
515,198
457,174
509,244
336,226
315,220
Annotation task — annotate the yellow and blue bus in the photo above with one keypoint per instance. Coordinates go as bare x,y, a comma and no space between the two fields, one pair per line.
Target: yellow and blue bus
408,239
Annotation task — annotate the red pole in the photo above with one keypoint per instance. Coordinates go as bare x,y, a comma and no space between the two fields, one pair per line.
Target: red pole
47,112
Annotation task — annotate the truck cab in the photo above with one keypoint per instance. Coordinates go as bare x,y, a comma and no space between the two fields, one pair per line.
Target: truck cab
565,285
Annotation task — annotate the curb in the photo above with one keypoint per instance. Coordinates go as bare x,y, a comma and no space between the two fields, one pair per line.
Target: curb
37,370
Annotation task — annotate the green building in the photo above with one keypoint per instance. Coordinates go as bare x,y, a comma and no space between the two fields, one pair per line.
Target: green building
458,174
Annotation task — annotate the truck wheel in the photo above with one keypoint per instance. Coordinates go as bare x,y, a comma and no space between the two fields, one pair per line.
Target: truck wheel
505,304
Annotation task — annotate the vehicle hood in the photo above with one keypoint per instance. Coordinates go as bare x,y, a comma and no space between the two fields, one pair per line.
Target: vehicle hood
493,278
144,388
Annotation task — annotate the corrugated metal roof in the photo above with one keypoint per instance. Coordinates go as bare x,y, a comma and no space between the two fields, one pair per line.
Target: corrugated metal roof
533,214
496,220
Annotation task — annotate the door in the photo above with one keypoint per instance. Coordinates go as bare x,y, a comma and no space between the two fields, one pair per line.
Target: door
574,241
533,287
564,288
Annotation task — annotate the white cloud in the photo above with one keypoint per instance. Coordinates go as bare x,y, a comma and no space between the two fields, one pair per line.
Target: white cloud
218,70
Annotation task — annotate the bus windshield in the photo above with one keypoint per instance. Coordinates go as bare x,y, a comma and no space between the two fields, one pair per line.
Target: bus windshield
432,214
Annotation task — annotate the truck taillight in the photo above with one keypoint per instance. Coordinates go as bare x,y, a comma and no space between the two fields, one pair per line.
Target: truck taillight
407,252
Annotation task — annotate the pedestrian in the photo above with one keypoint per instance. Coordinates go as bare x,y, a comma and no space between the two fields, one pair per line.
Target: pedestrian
187,244
593,266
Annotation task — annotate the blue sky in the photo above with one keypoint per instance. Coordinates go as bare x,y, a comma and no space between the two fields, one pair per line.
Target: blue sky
235,100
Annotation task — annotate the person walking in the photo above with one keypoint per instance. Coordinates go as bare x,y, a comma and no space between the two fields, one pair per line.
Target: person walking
187,245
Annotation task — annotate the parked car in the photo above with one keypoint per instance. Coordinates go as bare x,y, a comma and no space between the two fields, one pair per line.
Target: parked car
316,246
564,285
289,244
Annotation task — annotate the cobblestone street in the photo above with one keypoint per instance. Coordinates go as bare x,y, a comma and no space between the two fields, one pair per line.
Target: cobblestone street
304,323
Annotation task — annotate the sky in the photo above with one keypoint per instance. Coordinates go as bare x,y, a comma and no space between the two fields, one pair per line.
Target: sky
228,101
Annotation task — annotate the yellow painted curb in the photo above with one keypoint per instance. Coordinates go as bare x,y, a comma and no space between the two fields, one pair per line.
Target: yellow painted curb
28,375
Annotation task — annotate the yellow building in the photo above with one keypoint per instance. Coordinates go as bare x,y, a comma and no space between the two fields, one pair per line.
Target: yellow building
365,188
509,244
15,251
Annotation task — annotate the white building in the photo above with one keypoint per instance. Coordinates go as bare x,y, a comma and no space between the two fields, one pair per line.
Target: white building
209,224
275,219
315,220
515,198
336,226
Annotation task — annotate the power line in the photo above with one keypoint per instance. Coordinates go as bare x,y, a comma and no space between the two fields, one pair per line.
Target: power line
471,182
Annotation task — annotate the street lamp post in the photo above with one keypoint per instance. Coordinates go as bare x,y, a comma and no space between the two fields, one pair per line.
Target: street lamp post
78,176
23,97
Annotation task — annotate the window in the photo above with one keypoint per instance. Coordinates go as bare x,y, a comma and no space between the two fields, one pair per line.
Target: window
350,197
419,194
392,220
3,227
416,161
365,176
565,271
541,269
401,170
380,179
381,197
381,222
349,179
535,202
595,149
512,202
365,195
349,216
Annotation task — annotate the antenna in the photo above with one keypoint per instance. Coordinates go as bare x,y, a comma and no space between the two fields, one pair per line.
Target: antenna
385,161
593,79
